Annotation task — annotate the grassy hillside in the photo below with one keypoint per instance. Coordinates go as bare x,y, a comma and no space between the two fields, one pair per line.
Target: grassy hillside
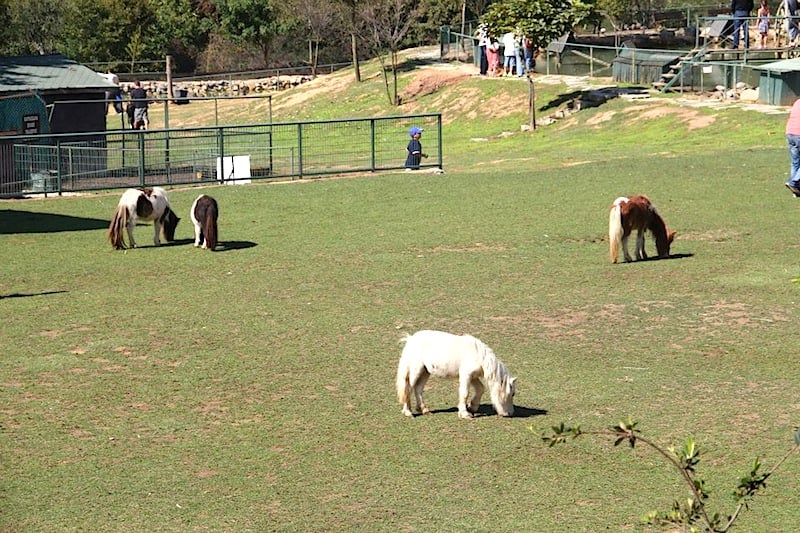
484,116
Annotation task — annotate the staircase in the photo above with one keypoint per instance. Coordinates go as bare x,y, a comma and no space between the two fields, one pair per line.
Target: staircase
668,79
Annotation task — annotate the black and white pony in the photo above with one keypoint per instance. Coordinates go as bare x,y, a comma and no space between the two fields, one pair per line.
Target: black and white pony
444,355
204,215
142,204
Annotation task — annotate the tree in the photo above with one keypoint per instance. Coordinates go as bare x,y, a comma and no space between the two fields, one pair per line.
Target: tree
315,17
256,22
389,22
542,21
353,27
181,30
93,31
35,26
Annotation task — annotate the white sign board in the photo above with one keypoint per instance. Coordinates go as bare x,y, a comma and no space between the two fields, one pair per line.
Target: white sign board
234,170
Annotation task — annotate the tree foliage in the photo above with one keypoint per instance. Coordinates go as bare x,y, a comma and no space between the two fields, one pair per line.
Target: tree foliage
263,33
540,20
389,22
256,22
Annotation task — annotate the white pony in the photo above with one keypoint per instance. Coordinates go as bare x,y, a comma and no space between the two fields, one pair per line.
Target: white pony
145,204
444,355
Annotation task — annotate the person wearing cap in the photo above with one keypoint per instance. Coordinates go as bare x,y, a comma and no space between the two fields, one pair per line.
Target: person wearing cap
414,149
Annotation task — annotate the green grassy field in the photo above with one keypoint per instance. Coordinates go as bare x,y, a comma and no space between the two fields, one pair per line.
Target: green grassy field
252,389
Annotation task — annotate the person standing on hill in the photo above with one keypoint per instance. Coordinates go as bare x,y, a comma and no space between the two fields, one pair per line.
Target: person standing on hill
139,98
509,53
763,23
741,10
483,43
793,140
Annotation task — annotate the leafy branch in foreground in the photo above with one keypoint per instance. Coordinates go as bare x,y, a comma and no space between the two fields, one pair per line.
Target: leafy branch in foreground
691,514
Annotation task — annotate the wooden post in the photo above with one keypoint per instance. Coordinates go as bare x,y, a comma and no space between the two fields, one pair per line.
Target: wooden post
169,77
531,102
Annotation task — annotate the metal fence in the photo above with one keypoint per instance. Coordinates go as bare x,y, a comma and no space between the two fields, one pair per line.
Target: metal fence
222,154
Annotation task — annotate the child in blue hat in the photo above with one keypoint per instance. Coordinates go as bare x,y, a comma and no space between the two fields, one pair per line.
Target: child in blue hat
414,149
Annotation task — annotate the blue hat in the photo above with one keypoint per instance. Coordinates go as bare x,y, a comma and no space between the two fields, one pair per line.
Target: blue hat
414,130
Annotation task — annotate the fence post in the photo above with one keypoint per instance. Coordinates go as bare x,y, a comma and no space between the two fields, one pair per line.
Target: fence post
166,141
300,150
141,158
372,144
58,166
439,127
221,152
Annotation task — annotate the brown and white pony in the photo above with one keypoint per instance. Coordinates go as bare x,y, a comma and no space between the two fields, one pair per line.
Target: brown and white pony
636,213
204,214
145,204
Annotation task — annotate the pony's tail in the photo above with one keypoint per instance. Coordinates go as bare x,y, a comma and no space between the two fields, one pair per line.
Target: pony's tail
210,226
614,231
116,230
402,382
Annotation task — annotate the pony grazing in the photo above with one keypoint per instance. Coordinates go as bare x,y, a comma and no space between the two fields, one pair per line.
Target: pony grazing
145,204
444,355
636,213
204,214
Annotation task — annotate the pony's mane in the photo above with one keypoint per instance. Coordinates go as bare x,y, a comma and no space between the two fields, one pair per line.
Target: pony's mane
494,371
495,374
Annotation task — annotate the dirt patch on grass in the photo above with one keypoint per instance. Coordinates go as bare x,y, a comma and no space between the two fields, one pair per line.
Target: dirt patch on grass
327,86
428,81
691,117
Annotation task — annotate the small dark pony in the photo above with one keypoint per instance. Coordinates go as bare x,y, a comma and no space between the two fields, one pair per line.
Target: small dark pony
636,213
145,204
204,215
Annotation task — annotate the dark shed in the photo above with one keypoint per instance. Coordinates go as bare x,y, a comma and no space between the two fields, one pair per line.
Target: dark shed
639,65
41,95
57,80
779,82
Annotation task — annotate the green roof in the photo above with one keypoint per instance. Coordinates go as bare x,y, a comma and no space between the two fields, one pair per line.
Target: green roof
48,73
785,65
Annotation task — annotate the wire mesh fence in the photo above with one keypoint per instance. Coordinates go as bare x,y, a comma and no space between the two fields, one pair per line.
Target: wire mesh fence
227,154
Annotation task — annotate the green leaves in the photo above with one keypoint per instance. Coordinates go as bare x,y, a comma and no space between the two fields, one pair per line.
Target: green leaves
558,434
540,20
689,513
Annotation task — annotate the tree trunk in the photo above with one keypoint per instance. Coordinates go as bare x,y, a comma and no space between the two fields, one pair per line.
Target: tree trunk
315,59
394,77
386,79
354,49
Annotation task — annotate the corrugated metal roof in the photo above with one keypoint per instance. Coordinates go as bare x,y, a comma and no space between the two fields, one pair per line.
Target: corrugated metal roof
47,73
785,65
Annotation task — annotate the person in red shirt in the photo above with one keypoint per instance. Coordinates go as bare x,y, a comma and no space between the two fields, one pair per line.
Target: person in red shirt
793,140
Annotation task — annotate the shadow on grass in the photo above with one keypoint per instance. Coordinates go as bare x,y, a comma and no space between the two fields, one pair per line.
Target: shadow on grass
227,246
591,97
12,221
486,409
224,246
668,258
21,295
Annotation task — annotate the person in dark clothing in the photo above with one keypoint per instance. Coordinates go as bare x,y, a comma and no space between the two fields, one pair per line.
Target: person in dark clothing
140,104
740,9
791,21
414,149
